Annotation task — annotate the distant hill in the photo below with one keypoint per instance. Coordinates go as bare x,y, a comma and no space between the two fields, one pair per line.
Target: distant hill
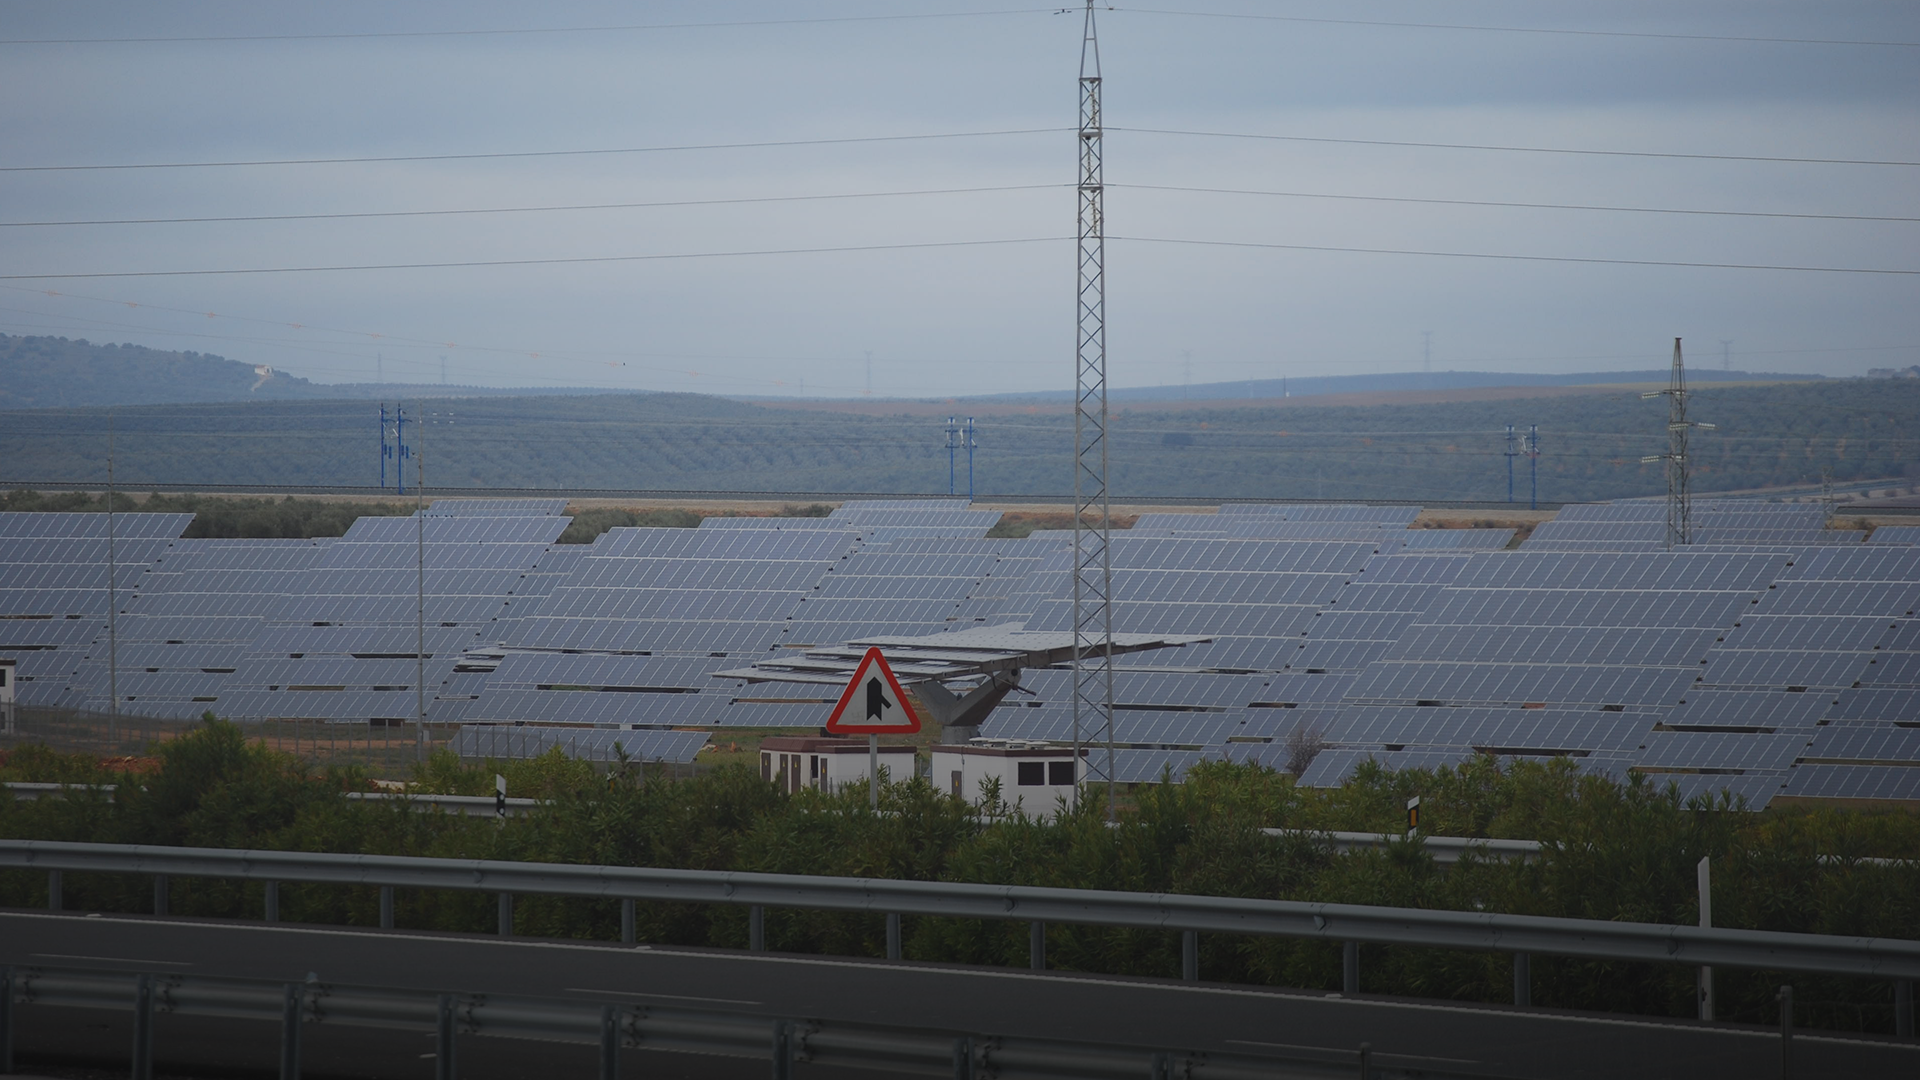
1591,445
1400,381
57,372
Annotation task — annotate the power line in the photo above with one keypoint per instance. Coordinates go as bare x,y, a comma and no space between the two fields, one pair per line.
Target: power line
1515,149
531,153
1518,258
538,262
520,30
1519,205
542,209
1482,28
587,259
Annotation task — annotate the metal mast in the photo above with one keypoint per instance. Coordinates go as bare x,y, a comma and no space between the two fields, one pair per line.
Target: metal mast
1679,469
1092,558
1511,454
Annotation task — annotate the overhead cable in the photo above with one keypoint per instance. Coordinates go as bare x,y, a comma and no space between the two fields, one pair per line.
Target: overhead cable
529,153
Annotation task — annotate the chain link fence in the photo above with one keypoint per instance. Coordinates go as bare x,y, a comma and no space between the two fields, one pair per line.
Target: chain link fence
382,749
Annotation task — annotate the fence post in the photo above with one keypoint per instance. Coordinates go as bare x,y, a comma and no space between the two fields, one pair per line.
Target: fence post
1522,979
782,1050
757,928
893,935
272,891
143,1027
386,907
290,1032
609,1044
55,900
506,914
1786,1032
1190,955
627,932
6,1021
1037,946
1350,967
443,1041
159,894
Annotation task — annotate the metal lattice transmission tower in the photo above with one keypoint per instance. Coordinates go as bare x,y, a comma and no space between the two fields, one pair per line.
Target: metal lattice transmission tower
1092,556
1679,468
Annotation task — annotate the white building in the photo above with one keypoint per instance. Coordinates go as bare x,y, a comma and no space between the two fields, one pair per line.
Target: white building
828,763
1033,776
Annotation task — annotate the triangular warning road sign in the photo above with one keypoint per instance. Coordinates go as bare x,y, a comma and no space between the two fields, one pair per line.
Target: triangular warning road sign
873,703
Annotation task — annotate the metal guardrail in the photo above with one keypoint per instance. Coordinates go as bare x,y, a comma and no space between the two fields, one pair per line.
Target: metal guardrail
616,1027
1876,958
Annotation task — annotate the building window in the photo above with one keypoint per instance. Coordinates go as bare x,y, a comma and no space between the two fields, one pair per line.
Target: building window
1060,772
1033,773
766,767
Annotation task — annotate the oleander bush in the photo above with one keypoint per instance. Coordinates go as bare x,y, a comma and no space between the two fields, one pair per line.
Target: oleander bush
1623,851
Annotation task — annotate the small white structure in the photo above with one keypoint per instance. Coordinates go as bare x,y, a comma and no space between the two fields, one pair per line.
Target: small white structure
1033,775
828,763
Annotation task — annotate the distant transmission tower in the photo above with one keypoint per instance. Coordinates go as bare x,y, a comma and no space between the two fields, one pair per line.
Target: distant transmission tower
1533,466
971,446
1092,557
953,444
1511,454
1679,469
1726,354
1426,353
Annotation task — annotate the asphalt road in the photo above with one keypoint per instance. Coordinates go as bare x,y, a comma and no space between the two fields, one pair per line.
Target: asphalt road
1151,1014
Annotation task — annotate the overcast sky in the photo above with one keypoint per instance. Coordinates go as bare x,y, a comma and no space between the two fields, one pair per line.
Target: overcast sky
1657,78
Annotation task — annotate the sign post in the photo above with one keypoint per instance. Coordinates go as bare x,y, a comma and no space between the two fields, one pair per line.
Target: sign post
883,709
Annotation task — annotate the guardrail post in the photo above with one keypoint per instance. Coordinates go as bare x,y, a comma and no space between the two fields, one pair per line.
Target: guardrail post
627,932
6,1021
893,935
54,898
609,1044
159,894
1786,1032
1190,955
272,892
1366,1061
1522,979
1037,946
782,1050
143,1028
506,914
1160,1066
386,907
1349,967
290,1032
1903,1008
963,1058
757,928
443,1041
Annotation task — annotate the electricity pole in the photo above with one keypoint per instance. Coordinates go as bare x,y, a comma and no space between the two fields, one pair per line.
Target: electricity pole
420,556
113,604
1092,556
1511,454
1679,469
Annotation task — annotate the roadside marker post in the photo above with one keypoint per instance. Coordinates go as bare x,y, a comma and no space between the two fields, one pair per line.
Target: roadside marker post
882,710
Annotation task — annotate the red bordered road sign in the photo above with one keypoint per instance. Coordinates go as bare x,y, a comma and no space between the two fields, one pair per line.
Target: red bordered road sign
873,703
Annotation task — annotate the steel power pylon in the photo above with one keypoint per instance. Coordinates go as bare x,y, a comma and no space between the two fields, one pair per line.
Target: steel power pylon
1511,454
1679,468
1092,556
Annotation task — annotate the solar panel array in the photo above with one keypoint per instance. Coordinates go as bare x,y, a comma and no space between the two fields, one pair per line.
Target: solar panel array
1777,668
54,590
